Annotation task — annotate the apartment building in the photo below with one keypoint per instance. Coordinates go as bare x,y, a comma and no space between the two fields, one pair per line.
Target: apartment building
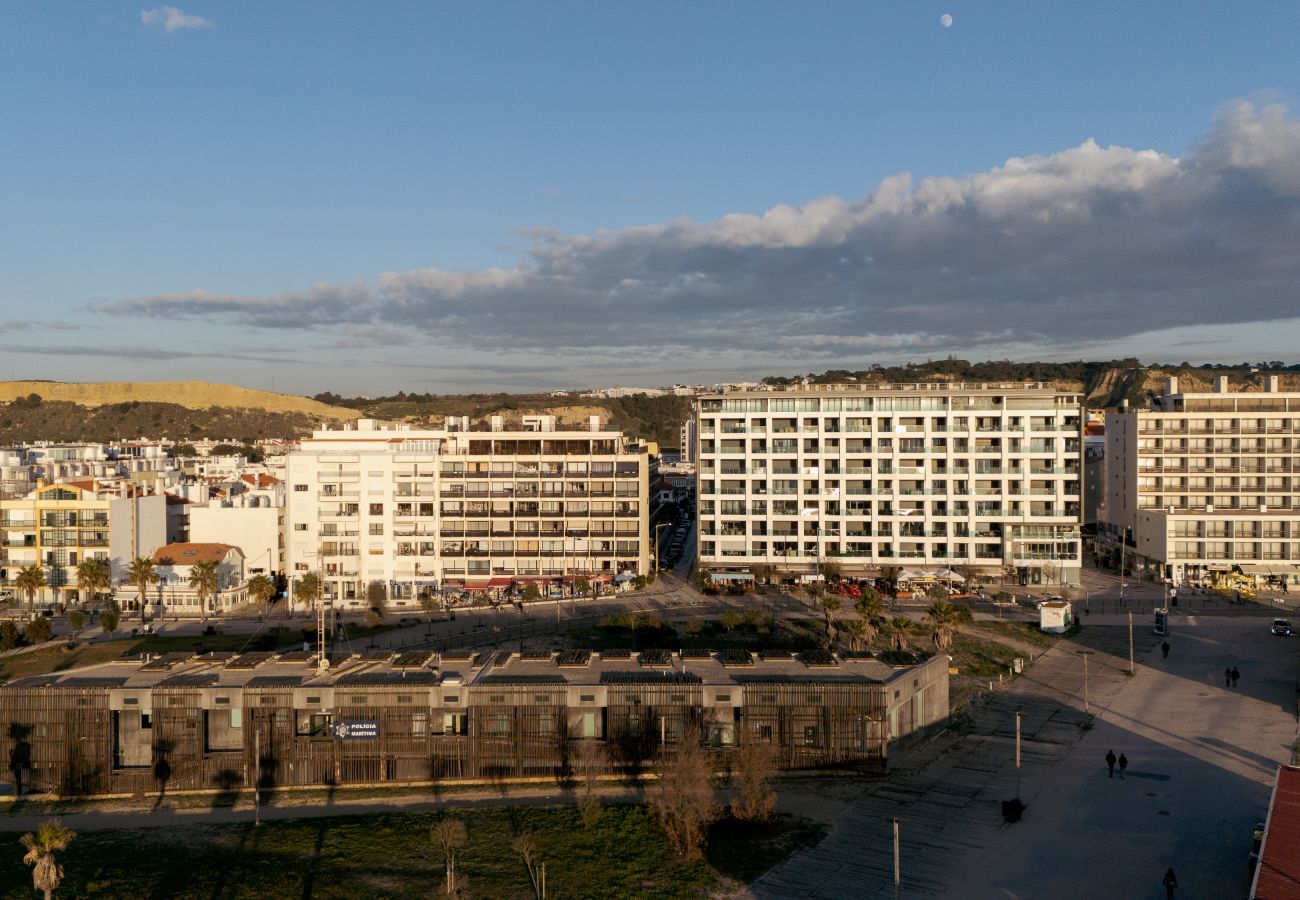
910,475
461,509
59,525
1206,483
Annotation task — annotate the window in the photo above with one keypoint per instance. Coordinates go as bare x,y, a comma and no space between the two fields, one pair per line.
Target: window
376,527
376,509
146,720
810,735
315,724
302,488
299,526
419,724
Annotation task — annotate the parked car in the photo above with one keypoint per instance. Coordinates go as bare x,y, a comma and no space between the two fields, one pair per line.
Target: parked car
1281,627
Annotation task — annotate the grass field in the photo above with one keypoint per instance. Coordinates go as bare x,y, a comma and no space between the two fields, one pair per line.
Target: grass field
622,856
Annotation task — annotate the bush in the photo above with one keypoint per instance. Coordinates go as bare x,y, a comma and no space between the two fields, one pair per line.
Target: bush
76,620
108,620
9,636
38,630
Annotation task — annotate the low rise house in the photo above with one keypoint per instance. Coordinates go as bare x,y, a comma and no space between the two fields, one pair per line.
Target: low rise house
176,592
221,720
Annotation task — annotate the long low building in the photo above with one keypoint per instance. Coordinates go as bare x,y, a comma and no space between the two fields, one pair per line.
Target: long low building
224,721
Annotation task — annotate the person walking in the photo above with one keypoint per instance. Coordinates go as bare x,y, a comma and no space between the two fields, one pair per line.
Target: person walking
1123,764
1110,762
1164,648
1227,677
1170,881
1235,676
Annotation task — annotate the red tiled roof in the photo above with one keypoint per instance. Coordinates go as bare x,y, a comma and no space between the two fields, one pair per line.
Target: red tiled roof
1278,876
189,554
261,480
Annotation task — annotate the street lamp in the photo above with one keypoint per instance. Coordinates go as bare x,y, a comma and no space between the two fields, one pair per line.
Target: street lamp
1087,707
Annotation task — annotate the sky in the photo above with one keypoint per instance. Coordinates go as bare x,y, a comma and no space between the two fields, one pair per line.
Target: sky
493,196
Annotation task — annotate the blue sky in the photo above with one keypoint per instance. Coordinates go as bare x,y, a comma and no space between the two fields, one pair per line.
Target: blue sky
218,191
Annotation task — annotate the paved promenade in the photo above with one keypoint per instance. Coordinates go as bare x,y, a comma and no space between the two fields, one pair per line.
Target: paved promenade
1201,763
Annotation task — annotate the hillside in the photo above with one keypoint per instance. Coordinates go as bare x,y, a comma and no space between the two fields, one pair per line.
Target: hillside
187,394
25,421
640,416
1103,383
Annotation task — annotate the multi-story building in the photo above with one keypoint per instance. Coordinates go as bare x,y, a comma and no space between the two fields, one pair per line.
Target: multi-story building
419,510
59,525
1206,483
913,475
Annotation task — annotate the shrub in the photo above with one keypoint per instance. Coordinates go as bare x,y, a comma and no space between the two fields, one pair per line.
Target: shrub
9,636
38,630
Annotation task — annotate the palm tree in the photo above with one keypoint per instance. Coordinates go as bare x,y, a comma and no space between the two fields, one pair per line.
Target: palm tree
30,579
141,574
871,607
49,838
856,629
899,626
94,576
204,581
308,588
261,588
831,604
942,618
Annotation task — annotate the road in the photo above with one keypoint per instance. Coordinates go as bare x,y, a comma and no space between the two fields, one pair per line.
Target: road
1202,758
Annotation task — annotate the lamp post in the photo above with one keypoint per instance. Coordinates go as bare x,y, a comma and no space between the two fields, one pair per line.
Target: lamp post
1087,707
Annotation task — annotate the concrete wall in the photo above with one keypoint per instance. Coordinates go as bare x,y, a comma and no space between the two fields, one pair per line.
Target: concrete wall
254,530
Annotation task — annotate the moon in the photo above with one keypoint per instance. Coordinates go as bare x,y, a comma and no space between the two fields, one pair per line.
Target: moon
945,20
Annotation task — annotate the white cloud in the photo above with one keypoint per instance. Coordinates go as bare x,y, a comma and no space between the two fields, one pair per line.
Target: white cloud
1039,255
172,19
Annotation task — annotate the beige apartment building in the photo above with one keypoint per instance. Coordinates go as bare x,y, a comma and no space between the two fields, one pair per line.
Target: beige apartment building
466,510
921,476
58,525
1205,484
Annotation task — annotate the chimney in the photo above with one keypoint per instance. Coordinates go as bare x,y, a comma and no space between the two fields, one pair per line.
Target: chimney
1221,384
1271,384
1171,386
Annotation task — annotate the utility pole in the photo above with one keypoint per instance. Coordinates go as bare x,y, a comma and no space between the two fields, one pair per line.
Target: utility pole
1018,748
898,875
1087,708
257,775
1132,670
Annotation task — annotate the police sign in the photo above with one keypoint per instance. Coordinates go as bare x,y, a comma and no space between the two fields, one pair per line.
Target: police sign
356,730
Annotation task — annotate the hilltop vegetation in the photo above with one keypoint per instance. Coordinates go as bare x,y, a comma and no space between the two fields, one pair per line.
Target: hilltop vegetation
33,418
188,394
1103,382
640,415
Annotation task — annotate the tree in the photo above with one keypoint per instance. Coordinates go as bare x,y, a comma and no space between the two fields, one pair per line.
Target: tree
38,630
204,581
681,801
899,626
762,572
831,604
970,575
377,594
261,589
450,835
830,570
49,838
889,574
871,607
9,635
526,848
856,629
755,767
95,577
942,619
76,621
108,620
141,575
29,580
308,589
589,761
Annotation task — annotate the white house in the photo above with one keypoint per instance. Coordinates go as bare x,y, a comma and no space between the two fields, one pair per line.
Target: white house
174,564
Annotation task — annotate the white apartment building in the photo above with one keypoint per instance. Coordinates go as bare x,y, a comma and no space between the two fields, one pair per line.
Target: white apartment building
456,509
910,475
1207,483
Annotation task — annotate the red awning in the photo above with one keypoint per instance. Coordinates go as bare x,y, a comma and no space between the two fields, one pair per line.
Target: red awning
500,582
477,585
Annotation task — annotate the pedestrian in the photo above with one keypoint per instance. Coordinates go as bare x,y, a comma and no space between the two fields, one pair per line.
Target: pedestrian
1170,881
1227,677
1235,676
1110,762
1164,648
1123,764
